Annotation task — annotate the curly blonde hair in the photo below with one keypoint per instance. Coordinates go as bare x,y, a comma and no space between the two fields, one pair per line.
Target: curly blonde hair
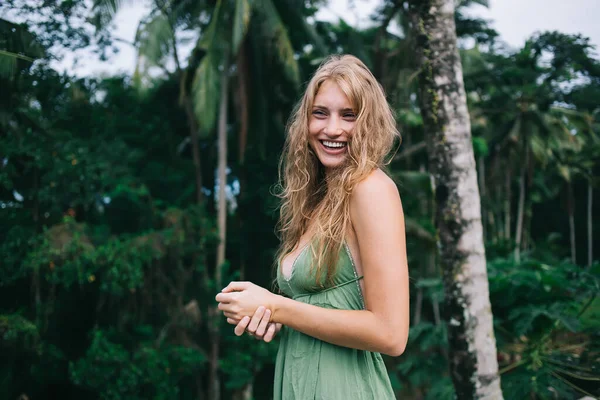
307,193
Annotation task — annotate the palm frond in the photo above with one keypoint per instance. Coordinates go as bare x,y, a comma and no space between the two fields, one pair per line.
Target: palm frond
205,91
16,44
515,132
316,39
8,63
417,231
581,121
209,37
109,7
154,39
276,32
468,3
415,180
241,20
473,62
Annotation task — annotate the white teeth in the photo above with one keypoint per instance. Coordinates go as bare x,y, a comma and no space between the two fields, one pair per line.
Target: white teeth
334,144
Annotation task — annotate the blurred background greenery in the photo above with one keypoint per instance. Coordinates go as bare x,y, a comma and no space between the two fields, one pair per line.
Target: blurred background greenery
109,196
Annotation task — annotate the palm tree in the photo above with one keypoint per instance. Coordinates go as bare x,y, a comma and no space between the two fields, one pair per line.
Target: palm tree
458,217
515,100
224,41
578,161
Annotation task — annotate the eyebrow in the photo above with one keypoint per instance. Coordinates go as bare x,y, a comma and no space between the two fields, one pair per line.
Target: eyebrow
325,108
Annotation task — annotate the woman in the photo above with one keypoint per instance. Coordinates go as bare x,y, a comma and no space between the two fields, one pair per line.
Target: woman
342,262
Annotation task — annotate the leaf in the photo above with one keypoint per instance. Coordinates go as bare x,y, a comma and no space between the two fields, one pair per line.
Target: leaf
205,91
480,146
276,32
208,39
515,132
154,39
429,283
415,180
109,7
315,38
16,43
241,20
8,63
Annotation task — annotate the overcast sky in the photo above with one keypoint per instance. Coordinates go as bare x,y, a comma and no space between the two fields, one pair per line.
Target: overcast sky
515,20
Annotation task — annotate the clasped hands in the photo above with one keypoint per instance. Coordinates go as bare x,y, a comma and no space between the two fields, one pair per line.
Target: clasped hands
249,307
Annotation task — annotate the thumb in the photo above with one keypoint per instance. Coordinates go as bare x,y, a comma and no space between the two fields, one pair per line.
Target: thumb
235,287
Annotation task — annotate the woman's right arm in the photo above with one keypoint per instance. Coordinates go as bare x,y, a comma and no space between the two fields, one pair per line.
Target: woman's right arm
378,220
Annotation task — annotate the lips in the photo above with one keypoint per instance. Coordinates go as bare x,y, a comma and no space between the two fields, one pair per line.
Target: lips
333,148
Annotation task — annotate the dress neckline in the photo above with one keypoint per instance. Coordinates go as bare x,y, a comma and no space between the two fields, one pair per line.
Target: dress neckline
293,268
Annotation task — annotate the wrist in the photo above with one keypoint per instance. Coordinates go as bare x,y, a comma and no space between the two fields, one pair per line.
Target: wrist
276,307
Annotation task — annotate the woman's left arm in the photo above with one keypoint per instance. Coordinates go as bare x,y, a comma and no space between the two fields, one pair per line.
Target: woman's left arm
378,221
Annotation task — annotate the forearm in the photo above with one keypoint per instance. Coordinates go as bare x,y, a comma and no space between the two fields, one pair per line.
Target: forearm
359,329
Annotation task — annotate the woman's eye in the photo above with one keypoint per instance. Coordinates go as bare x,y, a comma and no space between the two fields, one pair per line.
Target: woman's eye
318,113
350,115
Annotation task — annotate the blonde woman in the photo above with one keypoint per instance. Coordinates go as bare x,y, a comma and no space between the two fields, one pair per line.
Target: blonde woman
342,264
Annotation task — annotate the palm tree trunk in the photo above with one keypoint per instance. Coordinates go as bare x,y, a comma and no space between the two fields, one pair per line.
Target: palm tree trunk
507,201
418,307
243,76
571,211
442,98
222,212
193,126
244,393
243,96
589,224
482,191
520,210
215,393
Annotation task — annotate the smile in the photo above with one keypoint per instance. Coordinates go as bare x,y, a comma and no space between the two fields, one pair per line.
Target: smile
333,145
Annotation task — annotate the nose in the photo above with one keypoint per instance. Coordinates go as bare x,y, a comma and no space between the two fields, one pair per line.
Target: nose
333,128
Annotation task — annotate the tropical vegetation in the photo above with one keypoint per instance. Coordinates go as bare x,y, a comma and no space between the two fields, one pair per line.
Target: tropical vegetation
127,202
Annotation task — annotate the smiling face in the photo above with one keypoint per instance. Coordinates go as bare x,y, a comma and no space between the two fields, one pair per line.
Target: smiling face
330,125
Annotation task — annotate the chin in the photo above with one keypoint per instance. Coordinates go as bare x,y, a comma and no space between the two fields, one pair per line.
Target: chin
332,163
329,161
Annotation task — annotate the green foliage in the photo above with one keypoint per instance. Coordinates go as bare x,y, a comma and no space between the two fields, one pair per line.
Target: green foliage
545,319
537,309
536,294
480,147
243,358
17,331
107,254
206,94
241,20
145,371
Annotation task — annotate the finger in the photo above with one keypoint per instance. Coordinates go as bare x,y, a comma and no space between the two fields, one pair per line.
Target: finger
225,297
233,321
226,289
270,334
225,307
231,315
278,327
241,326
258,314
262,327
235,287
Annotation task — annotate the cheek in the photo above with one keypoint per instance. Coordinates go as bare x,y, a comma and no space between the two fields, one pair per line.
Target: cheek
315,126
348,127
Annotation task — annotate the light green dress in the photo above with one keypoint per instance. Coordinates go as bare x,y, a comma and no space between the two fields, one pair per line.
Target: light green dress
311,369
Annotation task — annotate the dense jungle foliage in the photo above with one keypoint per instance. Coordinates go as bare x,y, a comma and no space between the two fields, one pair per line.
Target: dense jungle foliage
109,197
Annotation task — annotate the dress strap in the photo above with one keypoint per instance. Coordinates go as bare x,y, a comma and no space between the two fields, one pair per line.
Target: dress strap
329,288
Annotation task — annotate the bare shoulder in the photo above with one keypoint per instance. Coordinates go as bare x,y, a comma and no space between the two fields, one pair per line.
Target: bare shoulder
377,189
